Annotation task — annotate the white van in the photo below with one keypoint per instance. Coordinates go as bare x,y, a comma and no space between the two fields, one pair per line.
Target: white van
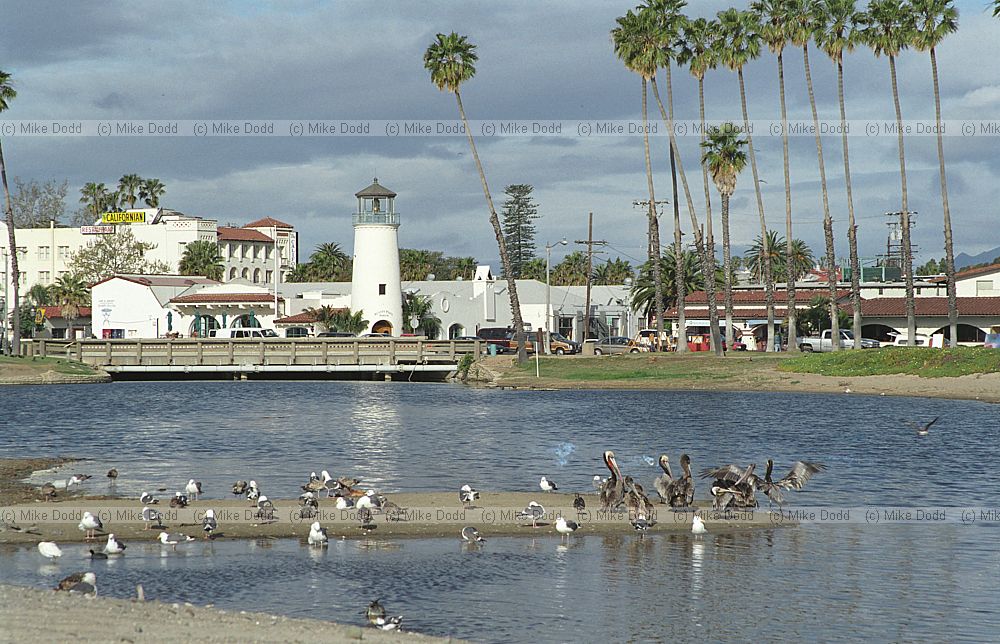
242,332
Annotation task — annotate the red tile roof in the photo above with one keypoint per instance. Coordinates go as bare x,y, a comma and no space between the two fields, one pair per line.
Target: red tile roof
928,306
299,318
738,313
268,222
969,272
802,295
53,311
242,234
223,298
160,280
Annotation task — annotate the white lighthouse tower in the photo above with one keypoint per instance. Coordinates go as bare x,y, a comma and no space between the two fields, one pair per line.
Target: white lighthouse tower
375,288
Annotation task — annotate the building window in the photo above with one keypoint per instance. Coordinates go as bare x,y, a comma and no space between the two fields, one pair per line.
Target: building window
381,289
22,252
44,253
63,252
246,251
984,287
44,277
270,277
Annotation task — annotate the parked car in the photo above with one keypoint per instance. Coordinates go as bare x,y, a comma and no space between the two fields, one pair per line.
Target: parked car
901,340
501,336
242,332
823,342
614,345
297,332
334,334
560,344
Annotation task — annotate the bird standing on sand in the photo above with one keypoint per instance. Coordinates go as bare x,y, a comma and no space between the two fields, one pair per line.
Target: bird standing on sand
114,546
240,488
146,498
179,500
343,503
467,495
565,527
253,492
579,504
547,485
472,535
697,525
49,549
150,515
90,525
209,525
317,535
534,511
193,488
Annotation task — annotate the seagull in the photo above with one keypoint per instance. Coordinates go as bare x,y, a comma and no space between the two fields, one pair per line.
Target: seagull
343,503
565,527
468,495
365,516
377,618
150,515
641,524
472,535
147,498
114,546
598,482
179,500
364,502
97,555
90,525
579,504
697,525
534,511
76,479
547,485
209,524
924,428
317,535
73,582
193,488
265,509
253,492
240,488
173,539
49,549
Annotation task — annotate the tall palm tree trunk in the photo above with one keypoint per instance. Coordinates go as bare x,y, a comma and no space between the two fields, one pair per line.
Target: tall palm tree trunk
949,250
654,226
831,260
852,231
709,236
727,275
765,238
515,304
911,319
793,344
15,306
680,286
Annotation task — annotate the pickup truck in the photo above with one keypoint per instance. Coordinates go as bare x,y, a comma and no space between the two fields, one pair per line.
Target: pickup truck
822,343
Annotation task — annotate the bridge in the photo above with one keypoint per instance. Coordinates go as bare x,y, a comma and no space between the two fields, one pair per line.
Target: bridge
306,358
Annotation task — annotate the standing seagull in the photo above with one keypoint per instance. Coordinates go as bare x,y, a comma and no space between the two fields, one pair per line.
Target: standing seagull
209,524
173,539
924,428
565,527
146,498
150,515
90,525
317,535
193,488
547,485
253,492
472,535
697,525
534,511
179,500
467,495
49,549
114,546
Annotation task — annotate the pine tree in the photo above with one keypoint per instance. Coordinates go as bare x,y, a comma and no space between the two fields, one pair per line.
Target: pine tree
519,211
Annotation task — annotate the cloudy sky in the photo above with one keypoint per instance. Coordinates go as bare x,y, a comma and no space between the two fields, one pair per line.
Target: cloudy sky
300,59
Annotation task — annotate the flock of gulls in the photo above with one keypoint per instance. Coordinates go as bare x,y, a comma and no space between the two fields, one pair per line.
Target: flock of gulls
732,488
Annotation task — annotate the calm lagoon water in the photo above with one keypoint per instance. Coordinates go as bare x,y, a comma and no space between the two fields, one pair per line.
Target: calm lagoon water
826,582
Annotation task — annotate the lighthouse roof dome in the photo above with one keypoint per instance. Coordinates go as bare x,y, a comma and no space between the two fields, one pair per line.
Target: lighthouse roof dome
375,190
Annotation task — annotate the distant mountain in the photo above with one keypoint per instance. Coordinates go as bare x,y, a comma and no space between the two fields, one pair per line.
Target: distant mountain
962,260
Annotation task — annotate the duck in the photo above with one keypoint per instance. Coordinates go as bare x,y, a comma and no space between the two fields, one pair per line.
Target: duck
97,554
796,478
612,490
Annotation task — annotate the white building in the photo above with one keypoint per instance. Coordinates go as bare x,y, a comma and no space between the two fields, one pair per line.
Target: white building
375,287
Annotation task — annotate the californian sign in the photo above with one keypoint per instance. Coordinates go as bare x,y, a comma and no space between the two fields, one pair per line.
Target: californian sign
124,217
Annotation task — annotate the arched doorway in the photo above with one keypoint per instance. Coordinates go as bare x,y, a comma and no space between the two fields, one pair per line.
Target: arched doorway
203,325
382,326
246,321
880,332
232,273
966,334
455,331
256,276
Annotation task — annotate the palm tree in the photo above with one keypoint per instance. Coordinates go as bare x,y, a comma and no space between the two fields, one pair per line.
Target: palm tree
571,271
775,17
7,94
802,257
95,196
935,20
836,32
613,271
324,315
667,17
421,309
344,320
635,42
996,8
806,23
202,258
39,295
643,293
739,43
128,188
801,260
150,192
888,30
725,158
327,262
451,60
70,292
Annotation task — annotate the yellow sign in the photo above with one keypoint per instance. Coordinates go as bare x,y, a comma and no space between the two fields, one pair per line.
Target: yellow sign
39,316
125,217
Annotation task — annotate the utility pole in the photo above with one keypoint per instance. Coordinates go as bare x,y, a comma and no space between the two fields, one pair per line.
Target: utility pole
590,242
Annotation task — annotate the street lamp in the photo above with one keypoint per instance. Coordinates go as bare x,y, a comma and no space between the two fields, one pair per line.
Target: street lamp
548,291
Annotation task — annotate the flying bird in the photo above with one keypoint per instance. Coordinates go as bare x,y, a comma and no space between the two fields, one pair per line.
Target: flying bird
796,478
924,428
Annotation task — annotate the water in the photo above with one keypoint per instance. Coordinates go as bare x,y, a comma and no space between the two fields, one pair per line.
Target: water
842,582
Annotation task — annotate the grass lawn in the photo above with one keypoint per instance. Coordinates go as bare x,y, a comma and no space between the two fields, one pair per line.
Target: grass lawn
652,367
59,365
918,361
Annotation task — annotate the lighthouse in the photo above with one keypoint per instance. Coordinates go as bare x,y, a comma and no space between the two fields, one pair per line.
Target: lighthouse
375,288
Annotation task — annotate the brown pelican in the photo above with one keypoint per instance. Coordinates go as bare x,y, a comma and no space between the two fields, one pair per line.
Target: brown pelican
923,429
679,492
635,499
663,483
612,491
801,472
733,487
